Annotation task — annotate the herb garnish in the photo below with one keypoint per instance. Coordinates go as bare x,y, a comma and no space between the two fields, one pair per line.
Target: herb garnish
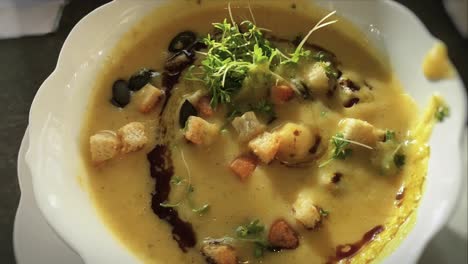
233,54
323,213
341,150
389,135
441,113
252,232
177,181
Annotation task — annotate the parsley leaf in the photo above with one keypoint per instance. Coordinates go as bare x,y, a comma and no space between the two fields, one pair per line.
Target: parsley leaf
442,113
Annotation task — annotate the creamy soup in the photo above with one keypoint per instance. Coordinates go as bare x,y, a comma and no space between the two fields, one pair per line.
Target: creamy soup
309,160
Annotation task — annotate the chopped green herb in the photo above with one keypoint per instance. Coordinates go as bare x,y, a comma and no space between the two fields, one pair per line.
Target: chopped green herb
399,160
389,135
176,180
442,113
340,150
330,70
266,108
259,249
253,228
323,212
323,113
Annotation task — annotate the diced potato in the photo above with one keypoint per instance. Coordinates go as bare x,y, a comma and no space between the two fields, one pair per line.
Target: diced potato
132,136
282,235
359,131
148,97
265,146
295,142
281,94
247,126
104,145
306,212
316,79
217,253
204,108
243,167
200,132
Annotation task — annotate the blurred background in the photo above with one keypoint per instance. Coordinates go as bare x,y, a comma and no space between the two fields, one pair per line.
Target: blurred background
32,33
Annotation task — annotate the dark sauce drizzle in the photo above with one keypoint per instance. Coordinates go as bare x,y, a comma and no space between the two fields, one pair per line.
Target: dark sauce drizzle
349,250
161,169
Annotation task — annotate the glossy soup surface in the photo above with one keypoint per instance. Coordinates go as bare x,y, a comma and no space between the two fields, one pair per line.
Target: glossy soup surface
363,199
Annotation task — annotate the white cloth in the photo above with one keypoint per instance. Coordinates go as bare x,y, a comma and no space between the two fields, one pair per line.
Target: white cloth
29,17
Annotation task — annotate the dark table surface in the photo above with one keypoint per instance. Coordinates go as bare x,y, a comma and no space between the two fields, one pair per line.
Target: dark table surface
26,62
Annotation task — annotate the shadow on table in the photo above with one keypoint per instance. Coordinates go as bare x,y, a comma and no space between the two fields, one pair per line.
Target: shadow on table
437,250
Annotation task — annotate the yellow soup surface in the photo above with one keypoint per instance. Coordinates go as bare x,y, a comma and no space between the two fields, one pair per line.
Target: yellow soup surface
362,199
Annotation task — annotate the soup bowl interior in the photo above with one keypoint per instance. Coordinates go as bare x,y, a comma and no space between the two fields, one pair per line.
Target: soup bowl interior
61,103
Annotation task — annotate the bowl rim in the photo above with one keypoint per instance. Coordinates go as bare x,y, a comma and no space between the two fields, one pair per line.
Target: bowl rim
32,159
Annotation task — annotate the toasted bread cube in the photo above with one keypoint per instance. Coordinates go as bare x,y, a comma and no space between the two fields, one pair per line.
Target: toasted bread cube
243,167
306,212
265,146
316,78
148,97
218,253
359,131
282,235
247,126
132,136
280,94
204,107
295,142
104,145
200,132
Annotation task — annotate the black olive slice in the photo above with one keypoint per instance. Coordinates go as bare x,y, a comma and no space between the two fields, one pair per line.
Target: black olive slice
120,93
141,78
182,41
186,111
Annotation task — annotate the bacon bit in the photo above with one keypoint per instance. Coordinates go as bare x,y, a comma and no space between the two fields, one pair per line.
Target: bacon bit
351,102
243,166
204,108
281,94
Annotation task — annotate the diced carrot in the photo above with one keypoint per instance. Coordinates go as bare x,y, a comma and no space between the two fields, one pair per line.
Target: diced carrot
281,94
243,167
204,108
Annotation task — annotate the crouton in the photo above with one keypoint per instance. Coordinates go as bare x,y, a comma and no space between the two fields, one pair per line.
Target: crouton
204,108
200,132
243,167
281,94
132,136
306,212
217,253
104,145
282,235
316,78
148,97
247,126
359,131
265,146
295,142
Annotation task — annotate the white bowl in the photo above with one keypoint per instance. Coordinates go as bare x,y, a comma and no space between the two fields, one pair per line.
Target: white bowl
60,104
